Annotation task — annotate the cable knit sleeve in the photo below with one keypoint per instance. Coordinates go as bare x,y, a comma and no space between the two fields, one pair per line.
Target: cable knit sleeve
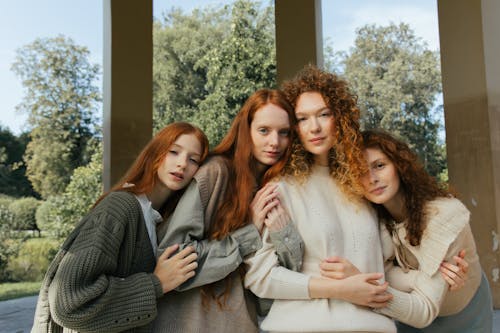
265,278
90,290
191,221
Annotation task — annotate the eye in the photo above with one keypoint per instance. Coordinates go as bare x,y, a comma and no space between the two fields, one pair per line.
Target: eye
263,130
326,113
284,133
301,119
173,152
194,161
379,165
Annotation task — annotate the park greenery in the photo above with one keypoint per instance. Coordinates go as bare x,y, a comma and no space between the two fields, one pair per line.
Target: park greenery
206,63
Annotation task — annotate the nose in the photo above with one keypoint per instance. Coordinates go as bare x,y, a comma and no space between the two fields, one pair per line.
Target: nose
273,139
182,162
315,127
373,177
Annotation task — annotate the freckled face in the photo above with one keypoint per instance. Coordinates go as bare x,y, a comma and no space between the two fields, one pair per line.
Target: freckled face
270,132
181,162
381,183
316,126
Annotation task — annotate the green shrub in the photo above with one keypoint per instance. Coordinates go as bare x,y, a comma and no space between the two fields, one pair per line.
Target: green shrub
33,259
24,211
6,218
59,214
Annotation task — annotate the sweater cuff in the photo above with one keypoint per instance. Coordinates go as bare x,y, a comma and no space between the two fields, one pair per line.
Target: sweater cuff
248,239
157,286
289,246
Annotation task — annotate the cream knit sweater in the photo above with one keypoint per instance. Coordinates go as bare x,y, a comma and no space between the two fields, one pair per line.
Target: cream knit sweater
329,224
420,293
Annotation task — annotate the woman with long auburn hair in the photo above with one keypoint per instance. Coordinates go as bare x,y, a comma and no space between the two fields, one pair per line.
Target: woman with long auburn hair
221,215
423,225
106,277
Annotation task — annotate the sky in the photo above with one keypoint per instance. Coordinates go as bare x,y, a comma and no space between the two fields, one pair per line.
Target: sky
22,21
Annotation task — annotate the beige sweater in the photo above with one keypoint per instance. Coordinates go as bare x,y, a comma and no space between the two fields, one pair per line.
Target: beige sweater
330,225
218,261
420,293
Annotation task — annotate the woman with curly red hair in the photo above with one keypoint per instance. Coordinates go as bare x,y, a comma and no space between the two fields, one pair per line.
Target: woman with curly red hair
321,192
423,225
221,215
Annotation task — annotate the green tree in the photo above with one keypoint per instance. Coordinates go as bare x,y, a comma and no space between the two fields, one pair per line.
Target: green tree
179,77
59,214
244,62
397,80
13,180
61,98
207,63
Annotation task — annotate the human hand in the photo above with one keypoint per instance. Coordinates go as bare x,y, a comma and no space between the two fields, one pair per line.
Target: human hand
174,271
337,268
365,289
264,200
277,218
455,275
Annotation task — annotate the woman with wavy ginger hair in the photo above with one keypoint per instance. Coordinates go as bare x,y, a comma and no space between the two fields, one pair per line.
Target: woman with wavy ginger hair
321,194
221,215
423,225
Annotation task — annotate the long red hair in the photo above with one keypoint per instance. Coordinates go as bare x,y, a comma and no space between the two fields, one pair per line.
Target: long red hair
143,173
236,146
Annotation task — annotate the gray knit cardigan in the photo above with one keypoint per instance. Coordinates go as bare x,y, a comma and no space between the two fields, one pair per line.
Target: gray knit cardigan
101,279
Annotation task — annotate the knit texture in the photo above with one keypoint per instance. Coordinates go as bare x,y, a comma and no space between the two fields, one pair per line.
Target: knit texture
426,297
101,280
218,261
330,224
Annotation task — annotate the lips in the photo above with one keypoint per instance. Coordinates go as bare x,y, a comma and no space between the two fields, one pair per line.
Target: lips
178,176
273,153
317,140
378,190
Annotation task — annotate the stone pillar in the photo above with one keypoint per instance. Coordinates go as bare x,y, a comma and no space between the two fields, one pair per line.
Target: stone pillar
299,38
127,84
470,52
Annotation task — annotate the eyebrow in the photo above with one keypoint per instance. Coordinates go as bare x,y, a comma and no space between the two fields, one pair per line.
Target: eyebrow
313,111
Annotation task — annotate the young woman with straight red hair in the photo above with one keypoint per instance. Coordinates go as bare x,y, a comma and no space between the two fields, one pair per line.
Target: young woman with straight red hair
221,215
106,277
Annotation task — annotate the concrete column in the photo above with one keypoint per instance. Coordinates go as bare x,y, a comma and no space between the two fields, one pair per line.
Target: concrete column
299,38
128,82
470,53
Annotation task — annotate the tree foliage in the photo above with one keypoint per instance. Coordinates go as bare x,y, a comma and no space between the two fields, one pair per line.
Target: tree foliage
207,63
397,80
23,213
13,180
59,214
60,99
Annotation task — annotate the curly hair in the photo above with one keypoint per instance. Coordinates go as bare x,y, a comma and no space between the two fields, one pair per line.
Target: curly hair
418,186
346,160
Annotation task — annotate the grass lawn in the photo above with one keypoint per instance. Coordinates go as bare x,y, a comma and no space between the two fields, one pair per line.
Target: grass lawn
13,290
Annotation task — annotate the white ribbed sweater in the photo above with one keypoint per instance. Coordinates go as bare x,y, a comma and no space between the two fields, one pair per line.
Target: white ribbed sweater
330,225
